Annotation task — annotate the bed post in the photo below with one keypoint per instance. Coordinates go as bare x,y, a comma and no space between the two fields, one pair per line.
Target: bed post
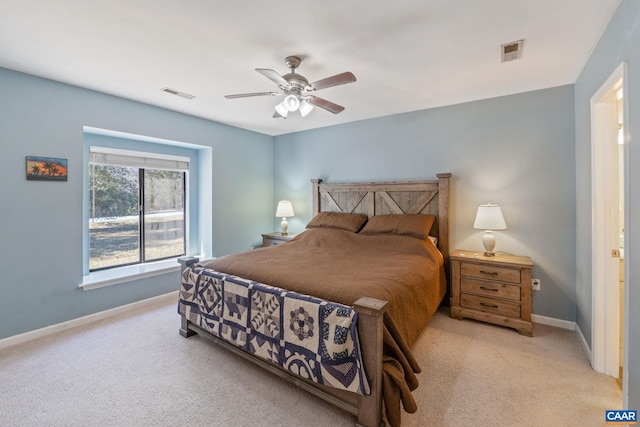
185,262
370,330
443,227
316,196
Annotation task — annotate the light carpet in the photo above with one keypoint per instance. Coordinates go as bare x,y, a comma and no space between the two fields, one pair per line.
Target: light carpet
134,369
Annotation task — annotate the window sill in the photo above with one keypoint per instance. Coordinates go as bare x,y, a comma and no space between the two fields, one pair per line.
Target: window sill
115,276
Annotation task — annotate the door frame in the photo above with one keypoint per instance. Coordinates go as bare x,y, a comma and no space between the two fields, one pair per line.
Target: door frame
605,330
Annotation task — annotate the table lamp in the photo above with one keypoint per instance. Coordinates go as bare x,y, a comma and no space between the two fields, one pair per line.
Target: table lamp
284,211
489,217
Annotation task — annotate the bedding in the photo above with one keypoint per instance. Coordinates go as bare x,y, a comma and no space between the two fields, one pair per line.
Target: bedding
313,338
339,265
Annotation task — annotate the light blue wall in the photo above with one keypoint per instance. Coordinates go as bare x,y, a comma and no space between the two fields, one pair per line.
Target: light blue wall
620,42
41,223
517,151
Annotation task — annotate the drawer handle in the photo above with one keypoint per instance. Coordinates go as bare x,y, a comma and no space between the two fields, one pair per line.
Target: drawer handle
484,304
493,273
488,289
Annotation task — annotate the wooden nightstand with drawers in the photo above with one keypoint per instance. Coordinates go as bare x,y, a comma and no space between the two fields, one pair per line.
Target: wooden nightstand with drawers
270,239
492,289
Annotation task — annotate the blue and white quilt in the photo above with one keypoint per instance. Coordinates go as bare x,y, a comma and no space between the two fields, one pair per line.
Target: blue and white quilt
310,337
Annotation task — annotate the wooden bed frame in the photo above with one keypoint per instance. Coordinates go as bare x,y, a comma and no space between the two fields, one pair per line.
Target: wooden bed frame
414,197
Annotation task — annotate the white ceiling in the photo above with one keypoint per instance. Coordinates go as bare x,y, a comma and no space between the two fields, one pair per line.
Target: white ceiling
407,55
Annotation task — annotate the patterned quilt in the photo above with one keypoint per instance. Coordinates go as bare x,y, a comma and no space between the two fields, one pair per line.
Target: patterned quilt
310,337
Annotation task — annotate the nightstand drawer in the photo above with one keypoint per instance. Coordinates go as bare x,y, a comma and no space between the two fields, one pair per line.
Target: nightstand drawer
490,289
272,239
484,271
510,309
267,241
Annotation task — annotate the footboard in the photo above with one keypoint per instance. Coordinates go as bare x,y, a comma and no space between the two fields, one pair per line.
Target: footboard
367,409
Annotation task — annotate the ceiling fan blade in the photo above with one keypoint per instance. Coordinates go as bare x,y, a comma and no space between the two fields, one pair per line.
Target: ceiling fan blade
245,95
327,105
338,79
273,76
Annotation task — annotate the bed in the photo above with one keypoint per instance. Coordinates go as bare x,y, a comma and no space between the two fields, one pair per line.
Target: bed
336,309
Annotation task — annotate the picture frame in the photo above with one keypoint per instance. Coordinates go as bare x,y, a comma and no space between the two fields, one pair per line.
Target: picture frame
40,168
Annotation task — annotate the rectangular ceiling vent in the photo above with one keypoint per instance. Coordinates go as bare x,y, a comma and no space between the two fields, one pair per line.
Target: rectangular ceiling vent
177,93
511,51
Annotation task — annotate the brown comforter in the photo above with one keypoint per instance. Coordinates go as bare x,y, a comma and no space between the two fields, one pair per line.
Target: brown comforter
342,266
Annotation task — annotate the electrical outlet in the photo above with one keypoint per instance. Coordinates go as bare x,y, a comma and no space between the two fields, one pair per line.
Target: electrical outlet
535,284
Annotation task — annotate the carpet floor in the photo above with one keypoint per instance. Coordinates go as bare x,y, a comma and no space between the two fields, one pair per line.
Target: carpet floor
134,369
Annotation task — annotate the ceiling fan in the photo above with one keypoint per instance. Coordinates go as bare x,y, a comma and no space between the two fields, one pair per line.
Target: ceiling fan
298,91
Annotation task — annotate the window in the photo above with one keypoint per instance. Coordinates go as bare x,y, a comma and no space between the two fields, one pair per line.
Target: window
136,207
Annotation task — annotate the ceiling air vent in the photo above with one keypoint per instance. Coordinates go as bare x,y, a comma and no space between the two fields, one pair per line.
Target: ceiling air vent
177,93
511,51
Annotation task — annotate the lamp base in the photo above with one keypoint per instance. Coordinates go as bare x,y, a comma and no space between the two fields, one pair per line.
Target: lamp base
284,226
489,242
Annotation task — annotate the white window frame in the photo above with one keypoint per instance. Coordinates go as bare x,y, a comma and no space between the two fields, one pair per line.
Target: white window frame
142,160
198,203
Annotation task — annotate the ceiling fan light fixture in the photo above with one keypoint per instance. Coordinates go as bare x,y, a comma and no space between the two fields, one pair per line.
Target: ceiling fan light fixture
297,90
305,108
291,103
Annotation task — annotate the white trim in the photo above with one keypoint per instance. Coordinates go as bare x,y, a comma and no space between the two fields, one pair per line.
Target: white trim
585,345
129,273
627,226
551,321
59,327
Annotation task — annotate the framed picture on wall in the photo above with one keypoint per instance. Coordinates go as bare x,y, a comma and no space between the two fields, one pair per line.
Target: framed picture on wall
46,169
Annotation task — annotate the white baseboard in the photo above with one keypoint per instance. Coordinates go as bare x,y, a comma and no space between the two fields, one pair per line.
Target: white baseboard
551,321
585,345
38,333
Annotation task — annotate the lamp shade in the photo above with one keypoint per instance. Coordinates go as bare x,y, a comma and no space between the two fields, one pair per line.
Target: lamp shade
285,209
305,108
282,110
489,217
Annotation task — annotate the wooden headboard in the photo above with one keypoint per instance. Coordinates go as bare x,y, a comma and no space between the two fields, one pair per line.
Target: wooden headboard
383,198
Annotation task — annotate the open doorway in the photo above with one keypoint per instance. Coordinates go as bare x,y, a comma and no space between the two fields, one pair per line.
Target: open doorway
608,136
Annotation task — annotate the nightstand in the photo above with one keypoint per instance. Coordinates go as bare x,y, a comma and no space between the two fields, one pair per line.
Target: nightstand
270,239
492,289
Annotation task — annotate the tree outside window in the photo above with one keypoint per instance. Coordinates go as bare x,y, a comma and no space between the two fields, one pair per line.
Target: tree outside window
136,215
